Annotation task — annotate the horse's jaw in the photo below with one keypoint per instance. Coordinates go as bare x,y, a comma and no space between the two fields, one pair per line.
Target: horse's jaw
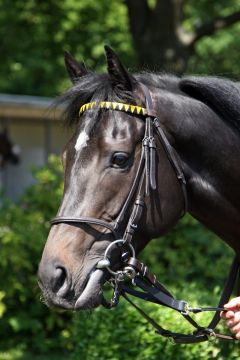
91,296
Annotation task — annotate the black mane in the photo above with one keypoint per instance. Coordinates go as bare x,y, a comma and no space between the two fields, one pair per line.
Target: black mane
91,87
221,95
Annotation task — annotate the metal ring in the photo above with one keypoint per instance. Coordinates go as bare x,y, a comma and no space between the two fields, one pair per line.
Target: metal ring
120,241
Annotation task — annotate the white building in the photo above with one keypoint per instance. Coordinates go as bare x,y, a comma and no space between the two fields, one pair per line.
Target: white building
37,129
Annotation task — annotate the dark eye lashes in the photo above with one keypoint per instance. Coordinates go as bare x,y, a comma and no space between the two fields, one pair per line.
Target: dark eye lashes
120,159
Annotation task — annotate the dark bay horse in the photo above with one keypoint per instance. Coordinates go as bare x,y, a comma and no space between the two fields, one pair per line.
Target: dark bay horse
199,118
9,153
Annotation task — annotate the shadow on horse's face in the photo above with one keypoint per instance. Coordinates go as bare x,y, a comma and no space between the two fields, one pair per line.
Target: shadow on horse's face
100,161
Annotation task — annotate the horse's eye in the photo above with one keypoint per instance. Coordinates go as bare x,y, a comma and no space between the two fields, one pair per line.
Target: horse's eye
120,160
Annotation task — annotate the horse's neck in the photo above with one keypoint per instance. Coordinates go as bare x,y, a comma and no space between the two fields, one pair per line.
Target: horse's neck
213,185
215,207
210,153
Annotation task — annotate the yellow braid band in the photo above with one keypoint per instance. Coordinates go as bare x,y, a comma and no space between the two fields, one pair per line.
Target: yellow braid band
133,109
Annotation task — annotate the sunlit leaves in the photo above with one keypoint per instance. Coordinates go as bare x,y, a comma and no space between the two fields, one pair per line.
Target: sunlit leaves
34,34
23,232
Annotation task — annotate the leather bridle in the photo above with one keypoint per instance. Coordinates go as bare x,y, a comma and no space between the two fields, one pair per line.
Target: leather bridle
145,183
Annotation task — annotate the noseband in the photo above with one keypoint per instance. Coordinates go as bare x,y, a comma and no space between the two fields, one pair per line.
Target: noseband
145,183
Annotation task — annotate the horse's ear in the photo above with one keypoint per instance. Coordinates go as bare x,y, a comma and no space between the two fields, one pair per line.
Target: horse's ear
119,75
74,68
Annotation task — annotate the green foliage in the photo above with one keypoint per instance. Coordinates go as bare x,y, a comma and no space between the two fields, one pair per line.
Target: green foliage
18,353
218,54
199,12
23,231
35,33
121,334
32,61
189,253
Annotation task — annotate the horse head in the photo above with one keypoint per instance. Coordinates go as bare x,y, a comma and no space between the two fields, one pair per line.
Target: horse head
111,170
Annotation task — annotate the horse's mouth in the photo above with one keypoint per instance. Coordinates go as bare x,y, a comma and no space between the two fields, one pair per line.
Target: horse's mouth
92,294
85,294
90,297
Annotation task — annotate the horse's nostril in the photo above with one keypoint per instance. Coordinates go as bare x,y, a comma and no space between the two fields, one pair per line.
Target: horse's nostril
54,277
60,283
59,278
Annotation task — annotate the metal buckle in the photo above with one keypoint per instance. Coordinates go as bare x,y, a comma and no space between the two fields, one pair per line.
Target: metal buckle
186,308
145,141
133,226
210,333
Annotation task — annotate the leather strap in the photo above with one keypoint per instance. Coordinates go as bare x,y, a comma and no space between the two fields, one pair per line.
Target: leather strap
75,221
201,334
132,192
176,337
227,290
155,292
152,146
172,156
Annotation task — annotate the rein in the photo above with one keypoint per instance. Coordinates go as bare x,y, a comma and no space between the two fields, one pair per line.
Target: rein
145,183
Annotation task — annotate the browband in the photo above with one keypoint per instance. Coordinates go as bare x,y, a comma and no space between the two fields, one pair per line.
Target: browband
112,105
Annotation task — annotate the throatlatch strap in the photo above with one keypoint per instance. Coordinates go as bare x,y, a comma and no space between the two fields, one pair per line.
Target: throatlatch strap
172,157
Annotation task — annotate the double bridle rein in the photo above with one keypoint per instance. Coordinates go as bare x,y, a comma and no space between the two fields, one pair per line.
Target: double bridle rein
145,182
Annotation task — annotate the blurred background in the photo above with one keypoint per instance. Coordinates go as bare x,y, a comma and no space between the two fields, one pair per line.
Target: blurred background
178,36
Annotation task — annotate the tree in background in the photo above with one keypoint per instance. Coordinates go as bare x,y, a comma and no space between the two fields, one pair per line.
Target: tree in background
35,33
181,35
166,32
